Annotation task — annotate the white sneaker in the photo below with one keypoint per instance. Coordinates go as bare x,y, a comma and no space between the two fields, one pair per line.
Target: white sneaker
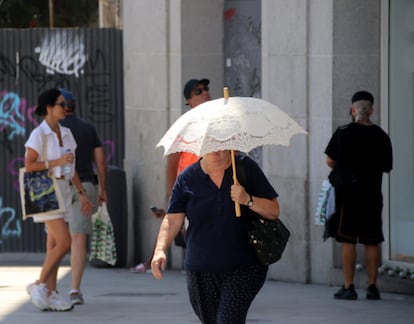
39,296
58,304
29,288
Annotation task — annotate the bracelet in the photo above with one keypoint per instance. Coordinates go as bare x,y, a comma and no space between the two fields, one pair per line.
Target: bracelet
47,165
81,191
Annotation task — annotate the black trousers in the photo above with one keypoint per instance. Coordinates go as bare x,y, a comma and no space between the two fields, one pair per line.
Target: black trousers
224,297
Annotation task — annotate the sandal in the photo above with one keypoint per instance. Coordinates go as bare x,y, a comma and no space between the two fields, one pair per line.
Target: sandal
140,268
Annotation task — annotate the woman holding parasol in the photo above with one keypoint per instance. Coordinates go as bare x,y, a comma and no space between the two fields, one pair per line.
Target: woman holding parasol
223,272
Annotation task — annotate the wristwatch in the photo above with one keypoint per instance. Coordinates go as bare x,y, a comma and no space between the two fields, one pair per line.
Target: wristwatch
250,203
81,191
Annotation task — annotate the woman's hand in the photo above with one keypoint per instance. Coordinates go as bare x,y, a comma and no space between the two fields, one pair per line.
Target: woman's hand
158,263
267,208
239,195
66,158
169,228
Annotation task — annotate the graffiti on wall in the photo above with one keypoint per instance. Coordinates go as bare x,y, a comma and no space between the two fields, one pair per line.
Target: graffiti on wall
62,52
11,225
13,114
75,59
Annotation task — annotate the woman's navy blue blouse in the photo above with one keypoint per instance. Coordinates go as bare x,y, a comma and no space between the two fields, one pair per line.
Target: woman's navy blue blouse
216,239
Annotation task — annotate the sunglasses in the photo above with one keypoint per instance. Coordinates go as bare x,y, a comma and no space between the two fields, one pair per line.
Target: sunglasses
198,91
62,104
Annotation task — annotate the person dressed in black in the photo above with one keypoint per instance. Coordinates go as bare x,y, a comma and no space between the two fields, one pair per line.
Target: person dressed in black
359,154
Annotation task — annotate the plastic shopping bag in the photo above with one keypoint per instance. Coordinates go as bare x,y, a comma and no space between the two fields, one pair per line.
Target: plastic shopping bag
326,203
103,246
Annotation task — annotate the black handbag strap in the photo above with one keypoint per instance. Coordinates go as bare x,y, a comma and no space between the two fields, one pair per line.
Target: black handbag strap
241,171
242,178
241,174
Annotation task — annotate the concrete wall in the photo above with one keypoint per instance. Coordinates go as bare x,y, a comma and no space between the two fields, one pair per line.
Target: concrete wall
166,42
146,101
202,43
285,83
320,126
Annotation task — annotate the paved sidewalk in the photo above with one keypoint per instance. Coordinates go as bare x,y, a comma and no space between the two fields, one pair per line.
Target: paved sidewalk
119,296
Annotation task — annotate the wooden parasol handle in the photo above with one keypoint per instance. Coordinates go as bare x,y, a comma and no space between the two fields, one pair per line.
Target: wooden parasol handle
233,160
233,164
226,93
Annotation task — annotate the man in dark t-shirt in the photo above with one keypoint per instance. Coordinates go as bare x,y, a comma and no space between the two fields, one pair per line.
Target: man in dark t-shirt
89,151
359,154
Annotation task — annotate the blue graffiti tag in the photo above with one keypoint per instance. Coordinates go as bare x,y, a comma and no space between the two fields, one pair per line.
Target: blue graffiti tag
7,230
10,115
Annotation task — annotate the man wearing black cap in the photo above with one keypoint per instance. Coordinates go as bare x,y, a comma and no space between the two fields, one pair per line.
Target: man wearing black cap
88,152
359,153
195,93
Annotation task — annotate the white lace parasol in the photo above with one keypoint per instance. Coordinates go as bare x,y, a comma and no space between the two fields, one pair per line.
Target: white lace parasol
236,123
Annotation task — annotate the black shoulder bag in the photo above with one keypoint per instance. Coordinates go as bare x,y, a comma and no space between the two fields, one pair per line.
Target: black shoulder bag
268,237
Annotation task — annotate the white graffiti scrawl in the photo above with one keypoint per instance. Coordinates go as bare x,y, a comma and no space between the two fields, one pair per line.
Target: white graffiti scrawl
62,52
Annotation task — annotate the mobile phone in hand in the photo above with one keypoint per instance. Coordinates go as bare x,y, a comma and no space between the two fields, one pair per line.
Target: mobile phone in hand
159,213
154,209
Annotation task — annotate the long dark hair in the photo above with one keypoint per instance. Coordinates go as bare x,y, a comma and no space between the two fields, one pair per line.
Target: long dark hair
46,98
